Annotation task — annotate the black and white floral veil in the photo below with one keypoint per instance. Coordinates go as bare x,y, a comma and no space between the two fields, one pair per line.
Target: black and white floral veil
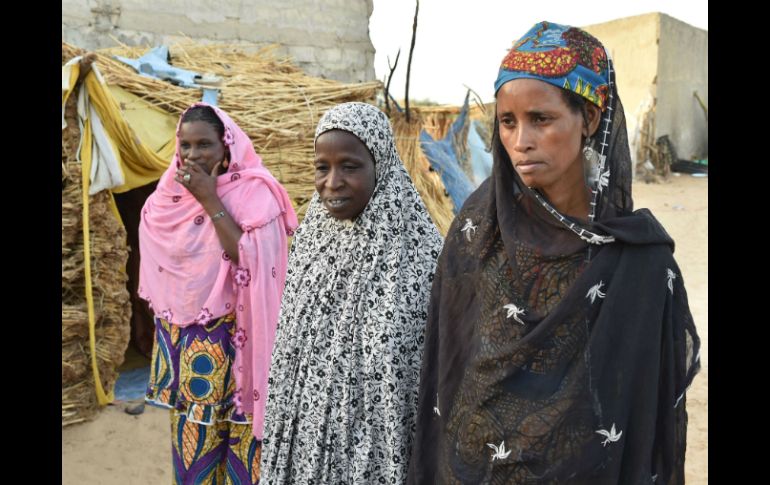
343,381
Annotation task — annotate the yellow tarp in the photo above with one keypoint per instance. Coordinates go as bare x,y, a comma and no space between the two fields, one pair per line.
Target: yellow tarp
143,136
154,127
141,165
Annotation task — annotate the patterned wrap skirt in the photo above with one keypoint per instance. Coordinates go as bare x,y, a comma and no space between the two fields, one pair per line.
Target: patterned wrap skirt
191,374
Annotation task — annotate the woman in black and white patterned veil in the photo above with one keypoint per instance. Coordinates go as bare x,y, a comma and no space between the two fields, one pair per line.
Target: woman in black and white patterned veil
343,381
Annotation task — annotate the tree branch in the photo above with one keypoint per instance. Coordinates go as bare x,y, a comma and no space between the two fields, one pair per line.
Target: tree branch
390,78
409,63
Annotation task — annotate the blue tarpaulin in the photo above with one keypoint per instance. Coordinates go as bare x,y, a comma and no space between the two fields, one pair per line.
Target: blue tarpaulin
132,384
155,64
481,159
442,156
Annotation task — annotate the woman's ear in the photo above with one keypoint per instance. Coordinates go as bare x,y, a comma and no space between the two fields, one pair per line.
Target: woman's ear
593,115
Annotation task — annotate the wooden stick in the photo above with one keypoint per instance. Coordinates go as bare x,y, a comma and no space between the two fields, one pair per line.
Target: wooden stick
409,63
390,78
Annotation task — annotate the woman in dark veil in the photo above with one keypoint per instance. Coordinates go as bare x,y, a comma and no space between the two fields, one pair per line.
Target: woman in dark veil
559,342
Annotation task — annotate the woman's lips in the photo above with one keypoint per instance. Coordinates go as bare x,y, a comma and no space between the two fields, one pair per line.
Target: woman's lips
336,202
528,167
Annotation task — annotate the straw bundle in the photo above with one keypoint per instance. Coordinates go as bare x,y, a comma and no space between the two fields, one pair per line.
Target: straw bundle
108,259
427,182
647,150
438,119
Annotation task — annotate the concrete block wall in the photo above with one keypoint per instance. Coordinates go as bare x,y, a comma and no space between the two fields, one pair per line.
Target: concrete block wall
327,38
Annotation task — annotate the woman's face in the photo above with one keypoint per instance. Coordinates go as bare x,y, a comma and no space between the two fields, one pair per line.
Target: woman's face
200,143
344,173
542,135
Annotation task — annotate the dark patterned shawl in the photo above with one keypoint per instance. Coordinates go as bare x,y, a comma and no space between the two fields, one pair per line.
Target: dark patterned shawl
557,351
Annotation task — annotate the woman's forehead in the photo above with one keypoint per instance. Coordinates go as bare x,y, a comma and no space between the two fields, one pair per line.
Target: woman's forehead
342,141
197,128
529,94
337,135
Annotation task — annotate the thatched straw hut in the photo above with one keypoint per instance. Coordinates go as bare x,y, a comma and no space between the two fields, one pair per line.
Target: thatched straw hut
275,103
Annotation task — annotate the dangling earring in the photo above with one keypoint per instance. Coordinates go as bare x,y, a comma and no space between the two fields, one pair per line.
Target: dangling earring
226,161
592,162
590,153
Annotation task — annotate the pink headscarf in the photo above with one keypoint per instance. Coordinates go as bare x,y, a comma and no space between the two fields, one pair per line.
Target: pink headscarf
187,278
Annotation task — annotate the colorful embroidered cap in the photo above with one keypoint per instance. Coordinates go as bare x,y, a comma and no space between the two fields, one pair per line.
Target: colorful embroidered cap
567,57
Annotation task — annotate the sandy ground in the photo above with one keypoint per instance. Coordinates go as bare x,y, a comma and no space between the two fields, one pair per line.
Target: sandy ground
682,207
120,449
